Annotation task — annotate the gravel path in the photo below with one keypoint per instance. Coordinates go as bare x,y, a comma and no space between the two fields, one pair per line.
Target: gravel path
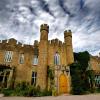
69,97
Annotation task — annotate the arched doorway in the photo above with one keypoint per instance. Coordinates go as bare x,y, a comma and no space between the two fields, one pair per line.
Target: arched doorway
63,84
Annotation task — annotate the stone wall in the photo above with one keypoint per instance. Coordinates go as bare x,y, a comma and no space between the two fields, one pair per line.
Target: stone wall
23,71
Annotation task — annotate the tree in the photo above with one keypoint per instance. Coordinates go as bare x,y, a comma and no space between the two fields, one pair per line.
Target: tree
80,78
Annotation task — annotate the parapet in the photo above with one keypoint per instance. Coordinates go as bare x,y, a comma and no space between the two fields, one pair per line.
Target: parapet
67,33
12,41
55,42
4,41
44,27
12,44
9,41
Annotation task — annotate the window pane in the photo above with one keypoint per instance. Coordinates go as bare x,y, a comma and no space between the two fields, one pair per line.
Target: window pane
57,59
8,56
35,60
34,75
21,58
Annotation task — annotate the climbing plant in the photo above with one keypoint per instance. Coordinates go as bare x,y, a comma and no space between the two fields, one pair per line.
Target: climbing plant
50,75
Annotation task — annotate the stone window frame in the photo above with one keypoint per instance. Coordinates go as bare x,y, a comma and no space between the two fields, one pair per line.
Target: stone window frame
57,58
8,56
21,58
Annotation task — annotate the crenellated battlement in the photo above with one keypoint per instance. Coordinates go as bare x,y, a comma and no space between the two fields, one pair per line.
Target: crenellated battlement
44,27
55,42
67,33
9,41
12,44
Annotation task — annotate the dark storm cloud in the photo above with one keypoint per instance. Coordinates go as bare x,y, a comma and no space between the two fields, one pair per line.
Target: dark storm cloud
61,3
81,4
3,4
44,5
22,18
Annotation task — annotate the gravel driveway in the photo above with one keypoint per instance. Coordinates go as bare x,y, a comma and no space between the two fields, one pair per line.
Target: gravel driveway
69,97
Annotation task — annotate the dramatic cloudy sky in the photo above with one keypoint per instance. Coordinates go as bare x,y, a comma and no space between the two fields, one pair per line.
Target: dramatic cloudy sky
20,19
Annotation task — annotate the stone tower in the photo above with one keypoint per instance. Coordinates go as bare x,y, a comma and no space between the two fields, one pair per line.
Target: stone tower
68,45
43,57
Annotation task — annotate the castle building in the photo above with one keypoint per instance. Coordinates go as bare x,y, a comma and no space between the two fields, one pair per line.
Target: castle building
30,63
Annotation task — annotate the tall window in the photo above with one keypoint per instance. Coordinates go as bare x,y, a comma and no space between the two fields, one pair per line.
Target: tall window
35,60
57,59
8,56
21,58
34,75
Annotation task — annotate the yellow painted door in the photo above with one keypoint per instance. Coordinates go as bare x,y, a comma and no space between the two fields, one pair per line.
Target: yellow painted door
63,84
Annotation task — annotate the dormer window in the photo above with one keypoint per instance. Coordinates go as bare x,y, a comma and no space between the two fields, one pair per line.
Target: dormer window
57,59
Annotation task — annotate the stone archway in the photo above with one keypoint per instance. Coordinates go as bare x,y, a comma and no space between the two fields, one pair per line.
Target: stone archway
63,84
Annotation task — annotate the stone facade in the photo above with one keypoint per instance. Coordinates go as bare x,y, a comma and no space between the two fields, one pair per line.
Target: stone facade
29,63
22,71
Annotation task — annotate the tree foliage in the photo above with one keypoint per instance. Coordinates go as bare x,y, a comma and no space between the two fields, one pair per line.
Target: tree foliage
80,75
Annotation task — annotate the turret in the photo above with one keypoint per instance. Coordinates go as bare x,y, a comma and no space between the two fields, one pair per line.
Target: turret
44,29
43,57
68,45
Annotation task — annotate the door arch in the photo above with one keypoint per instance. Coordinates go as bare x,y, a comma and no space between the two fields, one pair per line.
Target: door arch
63,84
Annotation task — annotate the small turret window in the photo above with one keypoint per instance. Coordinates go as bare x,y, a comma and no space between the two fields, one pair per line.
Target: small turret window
57,59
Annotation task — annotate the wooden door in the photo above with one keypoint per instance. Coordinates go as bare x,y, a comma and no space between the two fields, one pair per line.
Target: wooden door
63,84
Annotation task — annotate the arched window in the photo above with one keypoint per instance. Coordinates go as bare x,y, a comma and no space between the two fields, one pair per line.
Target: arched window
57,59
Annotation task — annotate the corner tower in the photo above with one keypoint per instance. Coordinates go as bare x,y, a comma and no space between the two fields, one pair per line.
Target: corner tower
43,57
69,47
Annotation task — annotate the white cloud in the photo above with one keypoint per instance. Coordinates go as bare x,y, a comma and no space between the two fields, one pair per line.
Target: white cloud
22,18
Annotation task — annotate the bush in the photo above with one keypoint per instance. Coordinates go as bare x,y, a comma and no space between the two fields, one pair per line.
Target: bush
45,92
24,89
7,92
97,90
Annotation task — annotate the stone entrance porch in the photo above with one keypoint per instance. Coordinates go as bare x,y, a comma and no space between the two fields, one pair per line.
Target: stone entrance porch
62,79
6,76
